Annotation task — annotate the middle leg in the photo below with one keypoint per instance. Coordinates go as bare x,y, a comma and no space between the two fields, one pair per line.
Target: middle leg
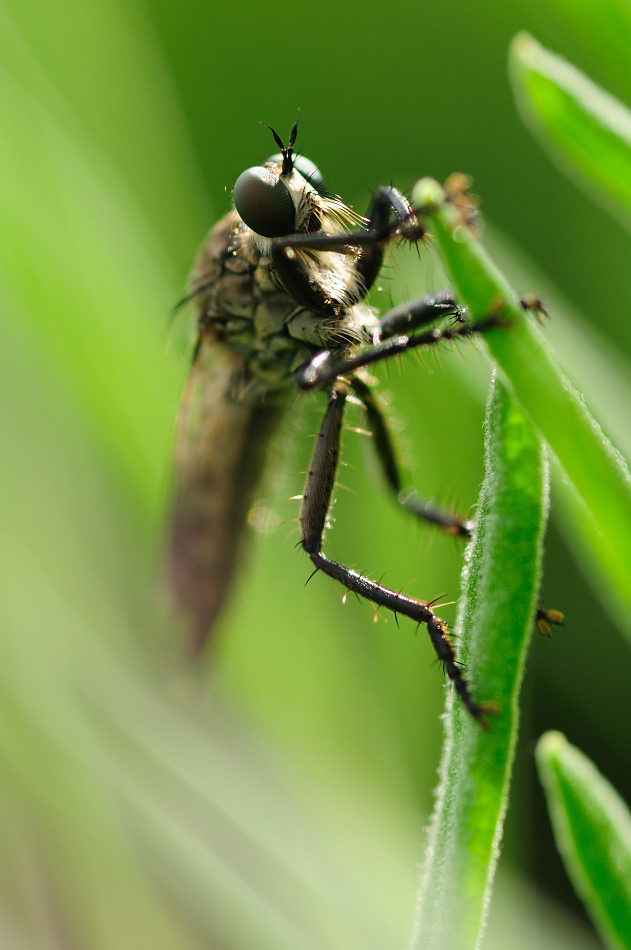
410,499
402,329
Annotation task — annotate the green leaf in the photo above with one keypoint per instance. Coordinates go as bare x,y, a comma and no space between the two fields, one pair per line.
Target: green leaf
592,826
585,129
501,579
603,29
598,473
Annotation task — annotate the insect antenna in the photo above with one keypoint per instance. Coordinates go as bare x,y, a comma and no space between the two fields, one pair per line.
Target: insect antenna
288,150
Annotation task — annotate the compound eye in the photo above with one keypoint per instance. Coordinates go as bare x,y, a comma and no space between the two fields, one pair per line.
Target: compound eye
264,203
308,169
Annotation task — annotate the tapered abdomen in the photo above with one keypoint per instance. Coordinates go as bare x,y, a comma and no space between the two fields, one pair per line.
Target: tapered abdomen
221,445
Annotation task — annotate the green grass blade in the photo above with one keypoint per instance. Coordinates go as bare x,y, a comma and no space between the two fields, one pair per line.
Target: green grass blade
501,580
585,129
596,470
592,826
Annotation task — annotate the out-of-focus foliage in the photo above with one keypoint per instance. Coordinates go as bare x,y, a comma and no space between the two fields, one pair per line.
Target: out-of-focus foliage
278,799
592,826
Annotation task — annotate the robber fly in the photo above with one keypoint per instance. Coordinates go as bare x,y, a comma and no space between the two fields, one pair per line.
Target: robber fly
280,291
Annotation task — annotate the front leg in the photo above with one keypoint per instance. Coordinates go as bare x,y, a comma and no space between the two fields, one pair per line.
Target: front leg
313,514
389,213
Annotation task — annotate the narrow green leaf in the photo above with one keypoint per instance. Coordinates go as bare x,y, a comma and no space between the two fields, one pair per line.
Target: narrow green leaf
586,130
501,578
596,470
592,827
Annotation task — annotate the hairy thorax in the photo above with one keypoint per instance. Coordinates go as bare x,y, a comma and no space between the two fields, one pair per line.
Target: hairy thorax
242,306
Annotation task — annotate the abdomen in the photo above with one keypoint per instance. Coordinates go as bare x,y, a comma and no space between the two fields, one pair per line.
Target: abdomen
221,445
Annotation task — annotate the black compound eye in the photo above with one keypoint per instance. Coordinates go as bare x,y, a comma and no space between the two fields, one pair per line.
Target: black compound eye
308,169
264,203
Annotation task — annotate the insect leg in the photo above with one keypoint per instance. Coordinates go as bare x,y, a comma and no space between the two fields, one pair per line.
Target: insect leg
409,499
327,365
389,212
414,314
413,502
313,515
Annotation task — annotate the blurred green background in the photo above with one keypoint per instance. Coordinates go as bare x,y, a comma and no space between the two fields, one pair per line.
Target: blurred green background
279,800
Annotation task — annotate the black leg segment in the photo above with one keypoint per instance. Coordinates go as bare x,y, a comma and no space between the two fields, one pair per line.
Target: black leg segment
389,213
313,514
420,507
422,312
328,364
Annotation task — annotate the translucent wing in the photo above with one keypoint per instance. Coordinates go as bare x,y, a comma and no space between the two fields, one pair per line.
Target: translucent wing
220,451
